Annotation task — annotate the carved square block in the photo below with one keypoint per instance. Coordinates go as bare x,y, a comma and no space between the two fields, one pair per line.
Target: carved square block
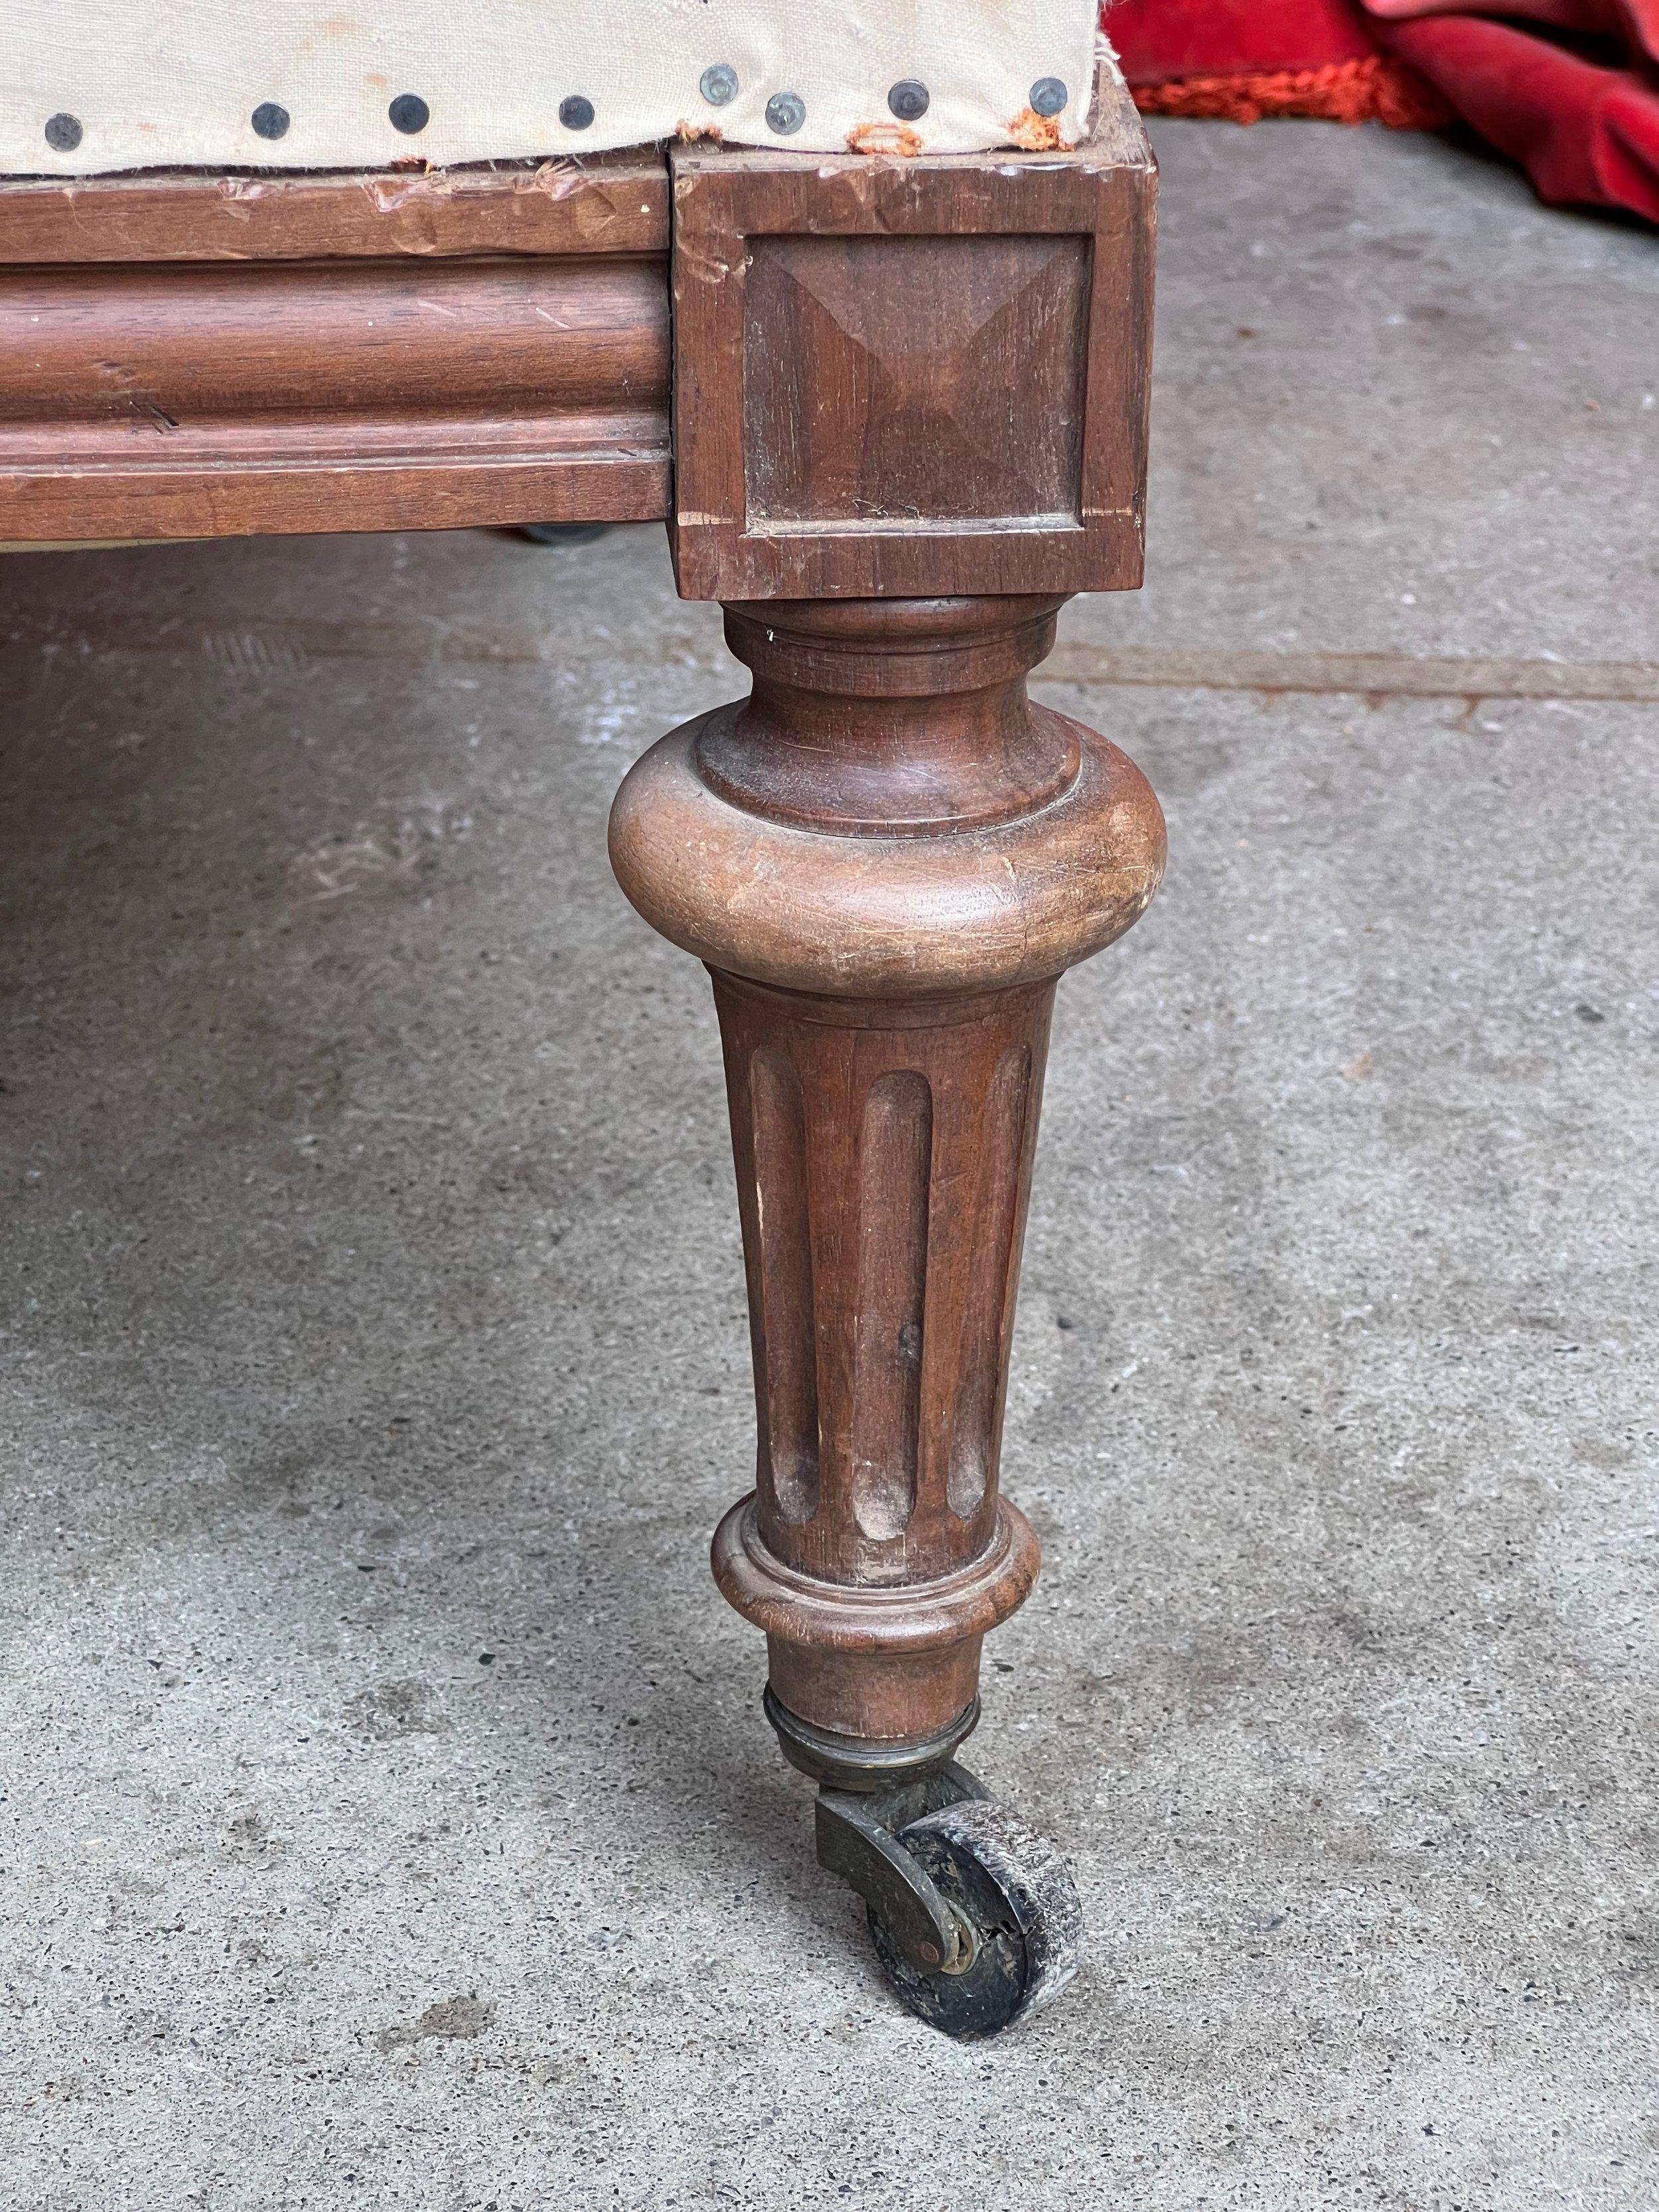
880,377
913,377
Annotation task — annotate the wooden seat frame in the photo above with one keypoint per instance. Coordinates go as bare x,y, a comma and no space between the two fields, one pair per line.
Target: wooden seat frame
893,412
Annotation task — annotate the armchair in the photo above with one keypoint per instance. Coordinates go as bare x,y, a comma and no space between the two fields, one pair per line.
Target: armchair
882,368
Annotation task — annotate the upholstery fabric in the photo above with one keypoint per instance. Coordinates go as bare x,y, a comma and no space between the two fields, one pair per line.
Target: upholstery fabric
89,86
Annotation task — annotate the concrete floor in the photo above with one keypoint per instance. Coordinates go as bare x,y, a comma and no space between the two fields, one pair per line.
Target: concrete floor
389,1819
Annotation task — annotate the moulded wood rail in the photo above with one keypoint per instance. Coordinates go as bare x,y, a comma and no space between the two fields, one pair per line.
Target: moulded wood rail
199,356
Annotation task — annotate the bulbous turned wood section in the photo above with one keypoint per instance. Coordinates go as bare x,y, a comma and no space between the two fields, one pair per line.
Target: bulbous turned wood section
887,855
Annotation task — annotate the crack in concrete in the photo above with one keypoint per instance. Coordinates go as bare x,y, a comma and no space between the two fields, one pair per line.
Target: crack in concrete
1370,674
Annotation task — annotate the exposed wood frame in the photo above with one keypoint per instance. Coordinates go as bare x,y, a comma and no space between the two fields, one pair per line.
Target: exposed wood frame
192,356
914,375
910,400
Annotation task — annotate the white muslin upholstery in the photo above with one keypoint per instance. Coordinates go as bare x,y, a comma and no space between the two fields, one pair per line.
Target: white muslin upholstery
93,86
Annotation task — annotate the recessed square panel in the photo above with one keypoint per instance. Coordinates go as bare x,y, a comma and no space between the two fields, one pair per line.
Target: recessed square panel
900,381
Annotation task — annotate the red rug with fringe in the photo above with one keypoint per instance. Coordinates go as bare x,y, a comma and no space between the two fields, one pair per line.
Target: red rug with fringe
1569,88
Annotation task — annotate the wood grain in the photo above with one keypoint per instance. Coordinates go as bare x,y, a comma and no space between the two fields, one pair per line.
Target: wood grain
918,1135
887,855
911,376
452,338
993,843
193,356
848,418
611,203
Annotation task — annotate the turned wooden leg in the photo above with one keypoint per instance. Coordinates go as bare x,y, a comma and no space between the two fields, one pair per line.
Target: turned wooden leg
886,855
884,1151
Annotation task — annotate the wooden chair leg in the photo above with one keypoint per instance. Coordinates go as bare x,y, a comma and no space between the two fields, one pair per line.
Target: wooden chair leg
886,856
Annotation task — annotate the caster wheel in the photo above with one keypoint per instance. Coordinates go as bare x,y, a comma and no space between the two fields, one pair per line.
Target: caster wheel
1022,1924
561,533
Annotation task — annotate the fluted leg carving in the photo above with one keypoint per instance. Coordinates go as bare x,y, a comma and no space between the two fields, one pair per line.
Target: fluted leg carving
883,1158
886,856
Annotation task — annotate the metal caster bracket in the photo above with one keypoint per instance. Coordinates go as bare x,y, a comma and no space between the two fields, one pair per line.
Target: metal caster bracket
857,1838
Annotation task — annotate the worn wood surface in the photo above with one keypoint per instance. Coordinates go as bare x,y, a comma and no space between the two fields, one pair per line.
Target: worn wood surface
907,724
909,376
193,356
611,203
886,855
910,403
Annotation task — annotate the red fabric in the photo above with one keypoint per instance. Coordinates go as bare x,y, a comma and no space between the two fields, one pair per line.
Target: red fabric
1160,40
1575,100
1585,134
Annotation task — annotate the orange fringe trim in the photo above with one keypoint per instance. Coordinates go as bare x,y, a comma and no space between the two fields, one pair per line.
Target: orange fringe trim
1371,90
